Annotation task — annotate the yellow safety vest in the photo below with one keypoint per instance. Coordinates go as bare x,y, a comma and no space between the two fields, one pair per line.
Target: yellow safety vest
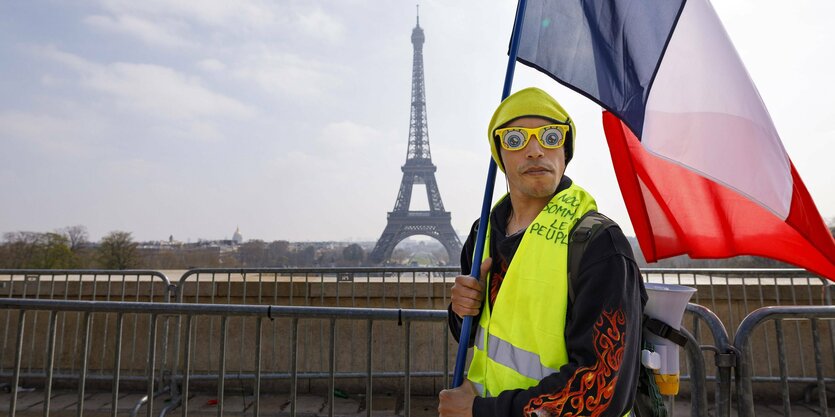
522,339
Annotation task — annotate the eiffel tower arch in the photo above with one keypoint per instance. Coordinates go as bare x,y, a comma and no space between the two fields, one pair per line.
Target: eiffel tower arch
418,169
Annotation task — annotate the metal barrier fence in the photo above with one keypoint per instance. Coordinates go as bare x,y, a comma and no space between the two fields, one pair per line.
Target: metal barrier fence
105,285
730,294
807,320
386,331
334,287
402,333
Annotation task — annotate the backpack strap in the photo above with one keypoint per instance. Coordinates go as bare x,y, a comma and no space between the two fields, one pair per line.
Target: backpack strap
583,232
648,399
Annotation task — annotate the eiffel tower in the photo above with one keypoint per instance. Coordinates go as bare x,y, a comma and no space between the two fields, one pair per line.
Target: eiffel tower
418,169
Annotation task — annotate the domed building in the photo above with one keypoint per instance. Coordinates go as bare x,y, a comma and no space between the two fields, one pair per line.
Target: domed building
237,238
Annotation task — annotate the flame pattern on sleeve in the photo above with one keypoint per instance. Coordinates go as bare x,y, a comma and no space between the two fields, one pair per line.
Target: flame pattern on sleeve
589,391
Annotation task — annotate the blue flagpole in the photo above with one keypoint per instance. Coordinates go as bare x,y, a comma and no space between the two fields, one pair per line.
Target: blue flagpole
466,326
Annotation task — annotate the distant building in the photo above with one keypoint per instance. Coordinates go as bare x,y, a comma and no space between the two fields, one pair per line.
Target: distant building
237,237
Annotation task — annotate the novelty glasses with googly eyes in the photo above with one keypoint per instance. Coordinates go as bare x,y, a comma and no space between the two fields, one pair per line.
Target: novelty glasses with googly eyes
549,136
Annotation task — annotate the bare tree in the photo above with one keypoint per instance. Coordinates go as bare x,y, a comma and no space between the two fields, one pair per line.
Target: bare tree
77,236
117,250
20,249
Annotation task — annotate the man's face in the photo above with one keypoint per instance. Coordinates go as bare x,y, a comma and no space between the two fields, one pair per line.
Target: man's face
533,171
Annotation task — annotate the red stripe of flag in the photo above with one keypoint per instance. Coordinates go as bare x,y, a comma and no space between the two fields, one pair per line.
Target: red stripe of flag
676,211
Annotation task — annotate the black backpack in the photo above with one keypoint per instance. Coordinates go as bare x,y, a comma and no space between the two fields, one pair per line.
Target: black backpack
648,400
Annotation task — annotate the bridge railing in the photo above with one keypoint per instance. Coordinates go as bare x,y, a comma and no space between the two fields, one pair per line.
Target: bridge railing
733,293
397,287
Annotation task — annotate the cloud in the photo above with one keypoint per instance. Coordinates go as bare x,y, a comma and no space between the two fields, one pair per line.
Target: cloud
163,92
136,169
149,31
318,24
220,13
165,22
73,62
49,80
211,65
341,151
348,135
152,90
286,74
195,130
349,145
69,136
279,48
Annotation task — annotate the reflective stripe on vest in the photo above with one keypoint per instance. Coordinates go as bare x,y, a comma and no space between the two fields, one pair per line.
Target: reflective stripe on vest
524,362
480,389
520,340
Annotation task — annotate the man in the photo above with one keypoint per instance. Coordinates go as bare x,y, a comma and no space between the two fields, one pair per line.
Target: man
537,351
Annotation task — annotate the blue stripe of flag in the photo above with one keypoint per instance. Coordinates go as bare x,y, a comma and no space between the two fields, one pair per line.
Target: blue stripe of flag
608,50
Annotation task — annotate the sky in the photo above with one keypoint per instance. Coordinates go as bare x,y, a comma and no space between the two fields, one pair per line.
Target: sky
289,119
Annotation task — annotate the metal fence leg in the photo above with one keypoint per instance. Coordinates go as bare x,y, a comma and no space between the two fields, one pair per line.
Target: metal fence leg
784,371
257,405
745,395
117,363
725,362
17,357
50,358
186,364
84,362
368,388
332,360
163,375
698,382
152,360
222,374
294,366
408,357
816,341
174,392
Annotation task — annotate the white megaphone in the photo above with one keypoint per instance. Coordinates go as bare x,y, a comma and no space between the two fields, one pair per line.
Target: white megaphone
666,303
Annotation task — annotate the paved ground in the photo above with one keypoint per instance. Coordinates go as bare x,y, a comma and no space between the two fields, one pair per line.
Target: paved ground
66,404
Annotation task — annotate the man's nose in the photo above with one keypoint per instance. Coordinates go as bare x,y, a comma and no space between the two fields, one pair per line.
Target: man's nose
534,148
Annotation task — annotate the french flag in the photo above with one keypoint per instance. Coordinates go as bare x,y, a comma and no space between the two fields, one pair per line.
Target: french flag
699,162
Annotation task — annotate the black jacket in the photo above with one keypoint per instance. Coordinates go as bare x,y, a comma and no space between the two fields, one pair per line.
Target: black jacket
602,334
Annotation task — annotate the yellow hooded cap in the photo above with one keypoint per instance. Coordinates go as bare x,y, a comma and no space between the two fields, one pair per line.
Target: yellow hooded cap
529,102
